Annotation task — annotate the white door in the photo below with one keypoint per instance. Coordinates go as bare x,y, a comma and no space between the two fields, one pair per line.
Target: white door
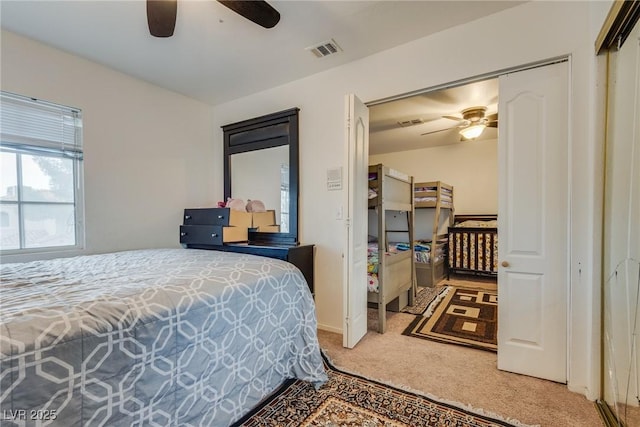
355,253
533,222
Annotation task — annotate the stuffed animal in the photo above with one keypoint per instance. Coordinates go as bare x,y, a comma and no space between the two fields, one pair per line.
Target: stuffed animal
236,204
255,206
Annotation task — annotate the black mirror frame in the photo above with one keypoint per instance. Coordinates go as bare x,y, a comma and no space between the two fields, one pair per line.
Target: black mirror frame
272,130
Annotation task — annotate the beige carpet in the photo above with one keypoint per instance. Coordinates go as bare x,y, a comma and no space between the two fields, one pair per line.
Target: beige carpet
459,374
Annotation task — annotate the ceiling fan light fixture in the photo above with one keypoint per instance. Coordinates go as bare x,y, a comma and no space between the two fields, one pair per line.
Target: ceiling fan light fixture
473,131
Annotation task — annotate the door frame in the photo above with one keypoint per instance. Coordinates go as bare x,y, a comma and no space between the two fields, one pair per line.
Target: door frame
570,144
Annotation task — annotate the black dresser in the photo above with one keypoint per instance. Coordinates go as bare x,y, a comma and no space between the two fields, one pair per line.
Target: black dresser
210,228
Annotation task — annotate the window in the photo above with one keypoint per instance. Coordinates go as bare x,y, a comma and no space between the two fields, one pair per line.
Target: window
41,176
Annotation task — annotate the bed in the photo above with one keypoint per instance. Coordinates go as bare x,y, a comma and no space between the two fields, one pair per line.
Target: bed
435,198
430,266
151,337
422,251
392,274
473,245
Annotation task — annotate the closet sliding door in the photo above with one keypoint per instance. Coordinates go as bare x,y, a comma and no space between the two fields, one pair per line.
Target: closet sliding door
621,249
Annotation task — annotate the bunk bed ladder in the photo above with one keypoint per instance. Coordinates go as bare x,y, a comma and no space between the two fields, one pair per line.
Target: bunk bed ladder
434,235
383,246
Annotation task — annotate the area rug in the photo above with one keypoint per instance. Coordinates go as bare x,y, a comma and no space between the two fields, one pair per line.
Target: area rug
349,400
425,296
461,316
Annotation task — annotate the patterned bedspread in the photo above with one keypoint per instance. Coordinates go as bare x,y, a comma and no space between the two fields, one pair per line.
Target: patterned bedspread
151,337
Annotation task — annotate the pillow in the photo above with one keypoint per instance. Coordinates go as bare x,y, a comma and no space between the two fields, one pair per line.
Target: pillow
255,206
235,204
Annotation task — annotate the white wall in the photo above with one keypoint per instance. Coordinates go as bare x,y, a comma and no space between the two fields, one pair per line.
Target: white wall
524,34
148,151
471,167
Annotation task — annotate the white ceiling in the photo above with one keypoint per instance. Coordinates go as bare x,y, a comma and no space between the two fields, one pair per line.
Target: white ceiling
387,136
216,55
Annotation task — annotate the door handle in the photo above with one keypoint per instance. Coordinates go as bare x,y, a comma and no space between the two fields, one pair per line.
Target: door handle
505,263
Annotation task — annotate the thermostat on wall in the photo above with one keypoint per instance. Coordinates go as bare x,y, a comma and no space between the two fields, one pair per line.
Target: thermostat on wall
334,179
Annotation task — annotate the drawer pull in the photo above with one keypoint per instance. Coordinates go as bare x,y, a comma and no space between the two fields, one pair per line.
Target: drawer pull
187,217
220,216
214,235
183,234
505,264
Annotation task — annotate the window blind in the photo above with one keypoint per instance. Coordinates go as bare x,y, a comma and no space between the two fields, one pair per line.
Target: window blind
31,126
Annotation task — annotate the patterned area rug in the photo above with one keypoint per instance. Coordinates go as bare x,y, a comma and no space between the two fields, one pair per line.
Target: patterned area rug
348,400
425,296
462,316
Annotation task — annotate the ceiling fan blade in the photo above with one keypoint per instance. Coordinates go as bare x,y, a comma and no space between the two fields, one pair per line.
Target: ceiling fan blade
436,131
161,17
457,119
492,120
257,11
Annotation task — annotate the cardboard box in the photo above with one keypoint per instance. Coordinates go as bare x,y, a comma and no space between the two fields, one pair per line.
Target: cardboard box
268,229
263,218
240,219
235,234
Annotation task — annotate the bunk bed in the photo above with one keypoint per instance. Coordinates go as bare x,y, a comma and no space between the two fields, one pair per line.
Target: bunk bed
431,264
391,272
473,245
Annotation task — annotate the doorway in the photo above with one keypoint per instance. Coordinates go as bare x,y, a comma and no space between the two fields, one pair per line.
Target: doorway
540,288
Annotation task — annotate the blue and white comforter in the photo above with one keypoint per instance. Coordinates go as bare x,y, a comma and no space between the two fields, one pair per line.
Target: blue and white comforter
151,337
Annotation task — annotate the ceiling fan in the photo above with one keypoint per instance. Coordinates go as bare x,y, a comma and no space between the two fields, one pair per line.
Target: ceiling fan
472,123
161,14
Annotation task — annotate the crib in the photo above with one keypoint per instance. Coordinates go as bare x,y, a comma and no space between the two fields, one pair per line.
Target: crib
473,245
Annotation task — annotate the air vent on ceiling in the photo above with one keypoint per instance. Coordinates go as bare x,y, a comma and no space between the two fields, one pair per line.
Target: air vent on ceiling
412,122
325,48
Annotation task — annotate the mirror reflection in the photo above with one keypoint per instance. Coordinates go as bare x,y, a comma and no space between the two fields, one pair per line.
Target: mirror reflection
621,260
264,175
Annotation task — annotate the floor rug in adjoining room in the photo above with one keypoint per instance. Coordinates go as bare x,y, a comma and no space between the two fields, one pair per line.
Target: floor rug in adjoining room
425,296
462,316
351,400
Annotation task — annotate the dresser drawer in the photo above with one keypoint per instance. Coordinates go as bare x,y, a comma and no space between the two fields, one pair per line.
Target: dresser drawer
212,234
217,216
206,216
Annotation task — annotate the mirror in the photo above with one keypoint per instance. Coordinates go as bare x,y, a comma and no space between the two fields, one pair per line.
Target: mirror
261,163
270,183
620,361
